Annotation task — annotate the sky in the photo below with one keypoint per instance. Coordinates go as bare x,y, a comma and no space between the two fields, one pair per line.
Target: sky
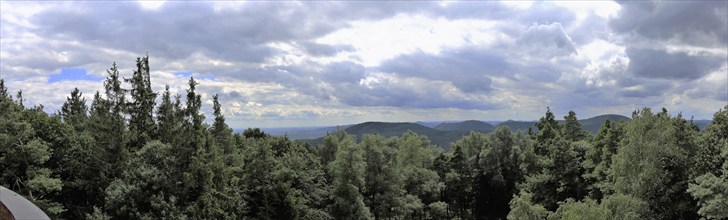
287,64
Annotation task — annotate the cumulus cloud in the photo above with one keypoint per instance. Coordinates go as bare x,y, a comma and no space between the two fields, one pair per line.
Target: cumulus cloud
661,64
703,23
546,41
673,39
283,63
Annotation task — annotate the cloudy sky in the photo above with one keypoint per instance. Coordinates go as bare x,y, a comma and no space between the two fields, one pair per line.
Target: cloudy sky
277,64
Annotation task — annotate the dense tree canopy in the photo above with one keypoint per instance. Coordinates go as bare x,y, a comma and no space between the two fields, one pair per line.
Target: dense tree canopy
127,157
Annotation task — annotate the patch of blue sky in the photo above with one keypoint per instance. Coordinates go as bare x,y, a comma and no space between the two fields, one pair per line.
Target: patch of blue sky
185,74
73,74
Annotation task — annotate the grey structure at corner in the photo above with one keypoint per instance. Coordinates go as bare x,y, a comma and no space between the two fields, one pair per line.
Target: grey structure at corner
19,206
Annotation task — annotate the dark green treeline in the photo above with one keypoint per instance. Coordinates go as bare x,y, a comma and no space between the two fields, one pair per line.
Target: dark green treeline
127,157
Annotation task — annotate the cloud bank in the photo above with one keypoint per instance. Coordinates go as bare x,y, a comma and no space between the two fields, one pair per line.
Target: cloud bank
324,63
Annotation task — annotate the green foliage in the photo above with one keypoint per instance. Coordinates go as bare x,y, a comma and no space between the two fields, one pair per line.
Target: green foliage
74,110
169,117
497,172
348,175
146,189
560,161
571,209
114,160
141,107
653,164
712,193
330,146
25,156
711,189
254,133
548,129
523,208
599,159
437,210
571,128
620,206
415,156
382,180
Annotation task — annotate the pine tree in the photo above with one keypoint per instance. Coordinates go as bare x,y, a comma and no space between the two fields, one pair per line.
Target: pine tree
220,130
711,188
107,126
571,129
141,107
459,184
548,129
167,120
496,174
74,110
599,159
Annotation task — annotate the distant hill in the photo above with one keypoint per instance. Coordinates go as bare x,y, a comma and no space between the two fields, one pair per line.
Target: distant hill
470,125
593,124
702,123
446,133
302,132
520,125
430,124
391,129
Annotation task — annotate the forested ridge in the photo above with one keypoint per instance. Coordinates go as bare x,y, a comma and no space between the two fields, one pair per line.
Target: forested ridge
125,156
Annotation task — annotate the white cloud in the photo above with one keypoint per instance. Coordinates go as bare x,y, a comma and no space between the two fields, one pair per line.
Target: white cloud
323,63
151,4
376,41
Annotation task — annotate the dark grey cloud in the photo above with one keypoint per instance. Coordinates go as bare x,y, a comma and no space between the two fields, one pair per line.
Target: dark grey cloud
660,64
645,89
177,29
325,49
343,72
669,46
409,93
474,9
539,13
469,69
700,23
533,54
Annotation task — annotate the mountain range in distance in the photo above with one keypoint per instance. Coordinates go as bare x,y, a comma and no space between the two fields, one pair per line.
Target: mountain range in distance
440,133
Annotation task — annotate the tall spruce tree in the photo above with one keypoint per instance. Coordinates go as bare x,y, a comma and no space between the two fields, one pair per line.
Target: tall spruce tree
141,107
220,130
74,110
571,129
168,118
107,125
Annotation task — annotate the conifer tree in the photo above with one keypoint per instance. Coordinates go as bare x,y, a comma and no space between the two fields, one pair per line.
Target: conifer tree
74,110
141,107
571,129
168,123
220,130
497,172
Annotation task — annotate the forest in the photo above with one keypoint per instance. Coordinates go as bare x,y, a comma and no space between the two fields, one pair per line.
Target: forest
125,156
